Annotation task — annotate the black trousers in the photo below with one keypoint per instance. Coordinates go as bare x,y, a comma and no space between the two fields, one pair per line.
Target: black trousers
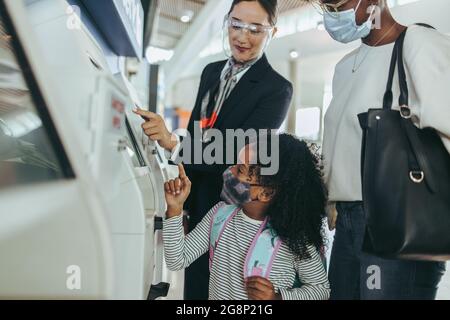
205,193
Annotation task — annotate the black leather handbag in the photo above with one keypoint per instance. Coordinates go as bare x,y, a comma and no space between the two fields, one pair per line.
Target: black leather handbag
406,179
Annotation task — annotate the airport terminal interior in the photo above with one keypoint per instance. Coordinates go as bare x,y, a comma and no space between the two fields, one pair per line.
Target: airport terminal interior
81,186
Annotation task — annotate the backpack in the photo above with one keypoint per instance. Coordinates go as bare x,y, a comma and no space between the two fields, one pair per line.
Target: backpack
263,249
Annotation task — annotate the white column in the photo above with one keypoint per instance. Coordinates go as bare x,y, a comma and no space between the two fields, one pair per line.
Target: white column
292,115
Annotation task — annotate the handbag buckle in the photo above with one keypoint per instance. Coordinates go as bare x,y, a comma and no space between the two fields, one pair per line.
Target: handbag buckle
405,112
417,176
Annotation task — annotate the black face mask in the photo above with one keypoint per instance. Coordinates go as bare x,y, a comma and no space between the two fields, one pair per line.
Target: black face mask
234,191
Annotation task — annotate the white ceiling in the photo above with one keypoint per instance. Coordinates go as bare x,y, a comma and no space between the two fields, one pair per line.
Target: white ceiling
169,29
319,53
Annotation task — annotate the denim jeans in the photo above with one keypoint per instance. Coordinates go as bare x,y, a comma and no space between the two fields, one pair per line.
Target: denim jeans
356,275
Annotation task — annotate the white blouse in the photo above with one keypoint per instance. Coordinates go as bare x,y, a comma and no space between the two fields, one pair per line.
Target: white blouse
427,63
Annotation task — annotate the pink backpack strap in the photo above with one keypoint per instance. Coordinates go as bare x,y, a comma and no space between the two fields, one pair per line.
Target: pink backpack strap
262,252
219,221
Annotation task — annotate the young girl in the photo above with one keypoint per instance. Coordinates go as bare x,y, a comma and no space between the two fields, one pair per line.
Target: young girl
265,238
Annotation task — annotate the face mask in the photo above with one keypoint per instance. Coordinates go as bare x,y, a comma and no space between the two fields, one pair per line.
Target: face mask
342,25
234,191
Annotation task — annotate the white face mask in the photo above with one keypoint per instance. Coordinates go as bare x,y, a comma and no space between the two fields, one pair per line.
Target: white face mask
342,25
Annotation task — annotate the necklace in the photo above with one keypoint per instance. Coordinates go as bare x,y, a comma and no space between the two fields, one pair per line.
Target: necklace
355,67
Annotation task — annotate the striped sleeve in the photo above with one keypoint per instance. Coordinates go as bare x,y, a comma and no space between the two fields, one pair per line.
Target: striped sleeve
180,250
312,274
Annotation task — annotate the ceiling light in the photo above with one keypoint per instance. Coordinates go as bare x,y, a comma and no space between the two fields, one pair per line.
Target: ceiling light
294,54
157,55
187,16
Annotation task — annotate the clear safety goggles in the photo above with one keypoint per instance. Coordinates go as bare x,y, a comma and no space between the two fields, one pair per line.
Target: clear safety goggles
255,30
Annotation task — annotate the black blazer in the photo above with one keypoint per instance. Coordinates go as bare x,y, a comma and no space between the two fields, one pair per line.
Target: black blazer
260,100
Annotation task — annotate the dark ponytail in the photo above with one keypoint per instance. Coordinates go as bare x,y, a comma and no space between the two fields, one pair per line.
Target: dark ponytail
270,6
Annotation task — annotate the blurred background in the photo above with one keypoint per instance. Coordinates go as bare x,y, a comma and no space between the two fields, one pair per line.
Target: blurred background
187,35
80,184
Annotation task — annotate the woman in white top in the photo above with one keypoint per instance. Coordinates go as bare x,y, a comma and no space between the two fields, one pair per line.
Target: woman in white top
359,84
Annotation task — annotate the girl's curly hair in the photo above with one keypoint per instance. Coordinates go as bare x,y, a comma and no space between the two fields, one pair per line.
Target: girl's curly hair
297,210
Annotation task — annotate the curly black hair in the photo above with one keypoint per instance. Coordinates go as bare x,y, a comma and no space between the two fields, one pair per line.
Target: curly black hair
297,209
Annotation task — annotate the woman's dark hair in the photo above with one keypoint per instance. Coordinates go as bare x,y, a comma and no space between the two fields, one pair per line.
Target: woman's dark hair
270,6
297,210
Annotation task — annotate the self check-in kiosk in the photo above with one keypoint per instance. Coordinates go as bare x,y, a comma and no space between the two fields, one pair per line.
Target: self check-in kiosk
93,230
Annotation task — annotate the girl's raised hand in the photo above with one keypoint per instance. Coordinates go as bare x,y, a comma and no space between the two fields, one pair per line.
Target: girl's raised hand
176,193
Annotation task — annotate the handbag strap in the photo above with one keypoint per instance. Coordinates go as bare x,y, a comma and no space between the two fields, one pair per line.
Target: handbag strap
418,164
388,95
404,93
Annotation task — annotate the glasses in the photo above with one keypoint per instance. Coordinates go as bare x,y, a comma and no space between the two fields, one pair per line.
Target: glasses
255,30
329,8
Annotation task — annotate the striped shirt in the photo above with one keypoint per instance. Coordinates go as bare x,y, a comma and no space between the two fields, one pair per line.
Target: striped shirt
227,275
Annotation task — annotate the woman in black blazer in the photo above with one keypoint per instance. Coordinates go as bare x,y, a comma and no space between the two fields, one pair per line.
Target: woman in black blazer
243,92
